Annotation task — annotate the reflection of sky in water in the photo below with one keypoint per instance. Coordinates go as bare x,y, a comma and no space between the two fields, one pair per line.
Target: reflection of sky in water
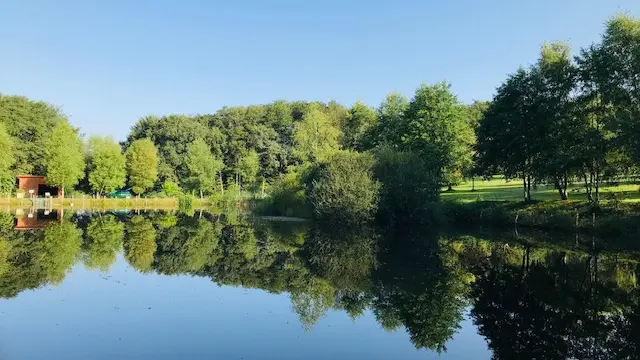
128,315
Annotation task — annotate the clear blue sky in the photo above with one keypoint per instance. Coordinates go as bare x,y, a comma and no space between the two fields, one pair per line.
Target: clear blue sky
107,63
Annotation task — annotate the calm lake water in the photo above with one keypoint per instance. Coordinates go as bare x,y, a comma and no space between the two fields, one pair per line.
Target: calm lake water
167,286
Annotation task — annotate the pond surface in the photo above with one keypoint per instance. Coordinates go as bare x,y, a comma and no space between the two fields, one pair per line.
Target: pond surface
167,286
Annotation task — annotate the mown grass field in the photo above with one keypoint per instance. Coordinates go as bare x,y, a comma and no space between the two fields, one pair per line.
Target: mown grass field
498,189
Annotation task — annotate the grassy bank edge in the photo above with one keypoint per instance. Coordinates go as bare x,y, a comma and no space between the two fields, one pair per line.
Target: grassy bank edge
109,204
606,219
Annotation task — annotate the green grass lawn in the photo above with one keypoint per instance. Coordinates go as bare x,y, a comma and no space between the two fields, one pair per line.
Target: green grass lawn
497,189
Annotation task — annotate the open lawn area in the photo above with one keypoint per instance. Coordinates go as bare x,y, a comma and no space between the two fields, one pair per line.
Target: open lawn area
498,189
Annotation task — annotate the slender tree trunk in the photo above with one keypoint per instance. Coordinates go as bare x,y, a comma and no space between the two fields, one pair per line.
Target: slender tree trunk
449,188
529,187
201,197
473,183
524,182
587,187
62,192
597,186
561,185
558,186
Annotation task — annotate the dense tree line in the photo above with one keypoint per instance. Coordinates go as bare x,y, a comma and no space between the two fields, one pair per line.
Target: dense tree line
240,145
37,139
565,118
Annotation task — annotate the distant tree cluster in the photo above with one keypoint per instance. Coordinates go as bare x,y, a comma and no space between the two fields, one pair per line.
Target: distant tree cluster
242,146
37,139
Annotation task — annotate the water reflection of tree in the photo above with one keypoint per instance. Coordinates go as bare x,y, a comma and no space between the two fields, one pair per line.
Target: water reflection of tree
548,304
343,257
37,257
103,241
340,262
140,243
422,286
528,301
186,247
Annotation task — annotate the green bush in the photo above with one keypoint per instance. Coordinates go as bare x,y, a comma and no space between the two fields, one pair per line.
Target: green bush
185,205
171,189
343,189
410,187
167,221
286,198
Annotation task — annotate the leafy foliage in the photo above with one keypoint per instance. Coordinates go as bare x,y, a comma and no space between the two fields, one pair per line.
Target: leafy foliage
437,129
409,189
140,243
358,126
65,156
106,165
142,165
171,189
29,123
316,137
249,167
343,189
202,166
6,160
562,120
104,237
172,136
392,124
62,242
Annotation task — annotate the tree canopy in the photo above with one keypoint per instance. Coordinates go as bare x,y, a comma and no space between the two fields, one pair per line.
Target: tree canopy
106,165
437,128
29,123
6,160
65,156
316,137
203,168
142,165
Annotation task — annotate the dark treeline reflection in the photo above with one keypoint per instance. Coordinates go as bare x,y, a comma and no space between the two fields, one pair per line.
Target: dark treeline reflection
529,299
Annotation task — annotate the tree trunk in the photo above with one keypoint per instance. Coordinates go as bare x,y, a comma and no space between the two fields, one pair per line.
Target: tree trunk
529,187
524,182
597,186
587,187
449,188
558,186
561,186
201,197
62,192
473,183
